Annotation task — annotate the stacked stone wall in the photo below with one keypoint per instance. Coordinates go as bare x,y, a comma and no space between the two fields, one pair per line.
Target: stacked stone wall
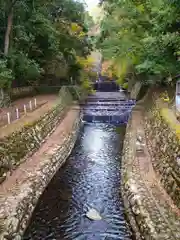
150,175
164,145
18,202
15,147
17,207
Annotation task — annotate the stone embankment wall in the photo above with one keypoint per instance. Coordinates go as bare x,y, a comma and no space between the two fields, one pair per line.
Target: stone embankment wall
132,202
149,173
18,205
20,144
18,202
164,144
15,147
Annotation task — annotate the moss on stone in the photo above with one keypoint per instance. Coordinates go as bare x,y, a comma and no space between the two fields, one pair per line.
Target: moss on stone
163,130
171,120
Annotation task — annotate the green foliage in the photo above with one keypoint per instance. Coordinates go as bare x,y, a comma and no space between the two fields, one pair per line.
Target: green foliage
41,40
145,36
85,82
25,68
5,75
125,85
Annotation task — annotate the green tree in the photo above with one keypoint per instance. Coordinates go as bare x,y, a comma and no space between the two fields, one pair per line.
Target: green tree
36,38
141,39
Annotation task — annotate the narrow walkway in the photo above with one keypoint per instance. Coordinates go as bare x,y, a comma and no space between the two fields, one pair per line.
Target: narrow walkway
163,214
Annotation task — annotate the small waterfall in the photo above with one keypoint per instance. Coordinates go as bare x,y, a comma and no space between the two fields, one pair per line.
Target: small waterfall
100,109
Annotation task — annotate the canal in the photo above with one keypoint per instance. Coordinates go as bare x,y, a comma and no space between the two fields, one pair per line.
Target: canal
90,179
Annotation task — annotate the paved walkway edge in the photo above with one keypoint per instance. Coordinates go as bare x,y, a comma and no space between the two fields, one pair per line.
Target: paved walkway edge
17,201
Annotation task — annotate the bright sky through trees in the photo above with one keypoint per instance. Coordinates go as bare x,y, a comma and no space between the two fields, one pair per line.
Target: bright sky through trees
91,3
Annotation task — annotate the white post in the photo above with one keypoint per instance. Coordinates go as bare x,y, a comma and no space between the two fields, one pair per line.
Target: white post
35,103
9,118
30,105
17,113
25,110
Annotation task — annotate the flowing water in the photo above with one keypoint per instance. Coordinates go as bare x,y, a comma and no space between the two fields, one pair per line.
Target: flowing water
89,179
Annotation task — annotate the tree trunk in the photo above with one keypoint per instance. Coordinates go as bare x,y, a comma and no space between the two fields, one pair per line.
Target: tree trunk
8,32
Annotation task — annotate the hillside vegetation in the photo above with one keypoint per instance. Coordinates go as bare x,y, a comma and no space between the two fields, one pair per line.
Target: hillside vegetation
40,41
141,40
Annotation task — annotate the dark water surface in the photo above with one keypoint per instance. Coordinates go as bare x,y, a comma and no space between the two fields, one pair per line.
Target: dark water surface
89,179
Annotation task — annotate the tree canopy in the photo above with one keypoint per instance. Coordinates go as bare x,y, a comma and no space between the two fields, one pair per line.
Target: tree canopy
43,38
141,39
